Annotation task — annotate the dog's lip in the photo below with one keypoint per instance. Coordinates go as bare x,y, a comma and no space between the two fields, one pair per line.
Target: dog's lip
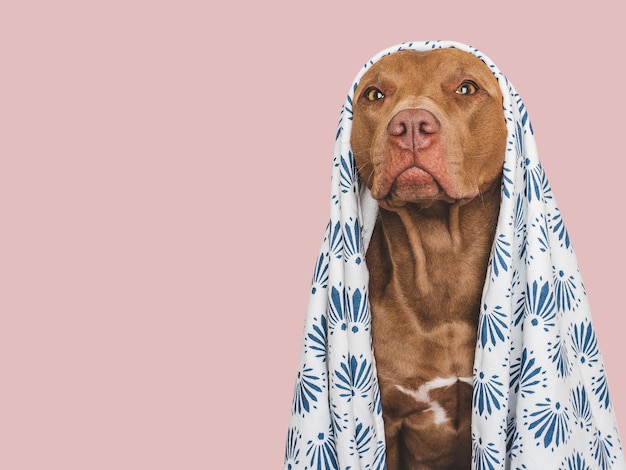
415,173
422,176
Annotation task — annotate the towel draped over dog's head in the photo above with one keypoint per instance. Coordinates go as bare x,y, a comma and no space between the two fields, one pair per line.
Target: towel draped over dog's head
540,394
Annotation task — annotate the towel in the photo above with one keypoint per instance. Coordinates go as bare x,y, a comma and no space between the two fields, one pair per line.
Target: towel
540,393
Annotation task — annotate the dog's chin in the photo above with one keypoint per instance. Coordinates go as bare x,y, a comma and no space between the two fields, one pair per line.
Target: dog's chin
417,186
413,185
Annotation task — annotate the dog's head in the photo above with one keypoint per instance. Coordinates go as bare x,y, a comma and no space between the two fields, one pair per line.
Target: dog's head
428,126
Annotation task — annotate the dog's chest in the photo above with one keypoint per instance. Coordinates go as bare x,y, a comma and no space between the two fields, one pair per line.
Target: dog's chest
424,339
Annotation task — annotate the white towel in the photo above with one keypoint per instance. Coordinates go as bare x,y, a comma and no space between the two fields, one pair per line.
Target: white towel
541,399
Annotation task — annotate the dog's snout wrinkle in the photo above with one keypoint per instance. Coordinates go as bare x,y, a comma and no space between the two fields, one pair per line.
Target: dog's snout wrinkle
413,129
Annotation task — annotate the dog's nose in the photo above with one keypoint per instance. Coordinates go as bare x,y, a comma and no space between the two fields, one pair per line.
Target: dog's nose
413,129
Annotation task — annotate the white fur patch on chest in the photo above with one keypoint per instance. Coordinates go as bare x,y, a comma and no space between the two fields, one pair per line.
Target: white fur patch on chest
422,394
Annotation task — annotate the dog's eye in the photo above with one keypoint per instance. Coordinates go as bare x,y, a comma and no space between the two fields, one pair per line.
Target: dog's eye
374,94
466,88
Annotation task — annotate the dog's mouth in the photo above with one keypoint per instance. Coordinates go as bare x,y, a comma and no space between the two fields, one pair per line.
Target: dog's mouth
417,177
410,185
416,184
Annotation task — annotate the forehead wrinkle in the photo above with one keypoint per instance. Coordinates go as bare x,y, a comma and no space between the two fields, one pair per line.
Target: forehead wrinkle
381,77
391,71
466,67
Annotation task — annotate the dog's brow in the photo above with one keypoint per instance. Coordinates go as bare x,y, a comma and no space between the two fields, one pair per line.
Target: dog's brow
379,80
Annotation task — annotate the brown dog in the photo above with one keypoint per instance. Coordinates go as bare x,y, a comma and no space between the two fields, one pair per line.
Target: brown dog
429,140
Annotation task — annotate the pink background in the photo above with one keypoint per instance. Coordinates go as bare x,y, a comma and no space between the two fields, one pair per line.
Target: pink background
165,173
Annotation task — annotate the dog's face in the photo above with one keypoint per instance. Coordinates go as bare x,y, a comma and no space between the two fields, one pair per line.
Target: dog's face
428,126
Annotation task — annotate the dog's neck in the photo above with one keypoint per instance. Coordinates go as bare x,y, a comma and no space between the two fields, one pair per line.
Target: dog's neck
433,254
